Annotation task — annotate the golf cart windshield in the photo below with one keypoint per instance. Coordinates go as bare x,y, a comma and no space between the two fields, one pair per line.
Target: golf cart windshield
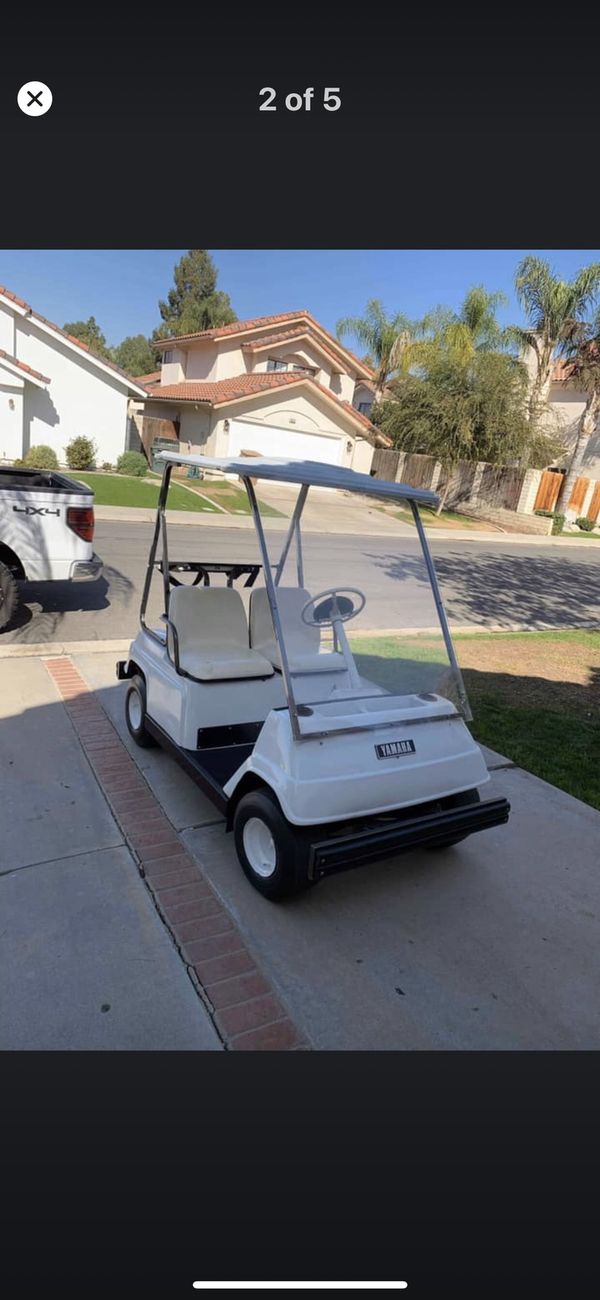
339,588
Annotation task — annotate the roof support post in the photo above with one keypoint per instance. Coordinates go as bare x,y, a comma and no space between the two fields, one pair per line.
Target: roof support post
293,528
272,598
441,613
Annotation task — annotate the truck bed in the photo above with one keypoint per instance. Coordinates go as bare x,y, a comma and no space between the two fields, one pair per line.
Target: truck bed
39,480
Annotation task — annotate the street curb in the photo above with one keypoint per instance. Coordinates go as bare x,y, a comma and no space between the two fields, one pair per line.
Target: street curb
59,649
54,649
246,1012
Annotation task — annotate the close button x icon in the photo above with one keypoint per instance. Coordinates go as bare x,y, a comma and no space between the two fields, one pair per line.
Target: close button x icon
34,98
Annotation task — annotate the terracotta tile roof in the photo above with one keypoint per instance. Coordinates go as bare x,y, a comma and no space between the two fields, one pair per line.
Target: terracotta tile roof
28,370
560,372
258,322
227,390
20,302
152,378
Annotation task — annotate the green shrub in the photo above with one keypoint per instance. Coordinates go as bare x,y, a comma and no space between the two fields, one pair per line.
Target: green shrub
585,523
41,457
107,467
558,521
132,462
81,453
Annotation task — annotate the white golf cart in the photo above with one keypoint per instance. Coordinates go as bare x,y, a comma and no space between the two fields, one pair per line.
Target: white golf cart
321,751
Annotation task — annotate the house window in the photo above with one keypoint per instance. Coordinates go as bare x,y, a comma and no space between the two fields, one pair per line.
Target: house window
167,357
275,363
364,407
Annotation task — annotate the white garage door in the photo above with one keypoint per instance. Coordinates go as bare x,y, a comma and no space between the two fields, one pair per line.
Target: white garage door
271,441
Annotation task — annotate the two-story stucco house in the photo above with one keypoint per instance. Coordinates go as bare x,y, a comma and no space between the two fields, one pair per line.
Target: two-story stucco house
276,385
53,389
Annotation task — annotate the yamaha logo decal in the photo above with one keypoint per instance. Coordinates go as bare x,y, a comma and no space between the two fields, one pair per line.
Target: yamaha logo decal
395,748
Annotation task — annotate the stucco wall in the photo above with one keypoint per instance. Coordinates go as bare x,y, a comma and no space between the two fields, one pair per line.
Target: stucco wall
7,330
194,428
11,416
201,362
80,399
362,456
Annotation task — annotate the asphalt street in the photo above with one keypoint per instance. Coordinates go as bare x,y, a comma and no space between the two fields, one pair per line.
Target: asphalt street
483,583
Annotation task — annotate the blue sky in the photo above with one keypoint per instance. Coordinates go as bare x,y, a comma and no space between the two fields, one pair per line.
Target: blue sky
121,287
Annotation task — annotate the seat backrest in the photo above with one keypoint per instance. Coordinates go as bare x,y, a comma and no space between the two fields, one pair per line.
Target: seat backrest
208,616
299,638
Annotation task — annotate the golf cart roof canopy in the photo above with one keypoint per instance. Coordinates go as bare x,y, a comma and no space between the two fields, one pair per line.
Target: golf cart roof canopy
308,472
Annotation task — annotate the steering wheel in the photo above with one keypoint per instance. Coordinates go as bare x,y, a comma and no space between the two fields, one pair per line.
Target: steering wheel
337,608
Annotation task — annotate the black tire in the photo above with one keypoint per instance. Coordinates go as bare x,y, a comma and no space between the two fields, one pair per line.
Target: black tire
461,800
290,873
136,725
9,596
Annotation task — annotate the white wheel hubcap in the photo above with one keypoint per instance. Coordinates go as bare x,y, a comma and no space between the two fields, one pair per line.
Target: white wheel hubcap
135,710
259,847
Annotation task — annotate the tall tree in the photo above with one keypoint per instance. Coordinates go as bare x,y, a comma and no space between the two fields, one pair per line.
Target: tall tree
135,355
581,352
462,410
553,308
388,340
89,332
474,328
194,303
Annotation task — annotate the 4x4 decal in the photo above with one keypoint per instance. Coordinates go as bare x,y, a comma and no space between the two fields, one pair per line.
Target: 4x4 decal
35,510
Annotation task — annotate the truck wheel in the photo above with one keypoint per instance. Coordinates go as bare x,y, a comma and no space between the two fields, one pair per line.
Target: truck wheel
273,854
135,713
458,801
9,595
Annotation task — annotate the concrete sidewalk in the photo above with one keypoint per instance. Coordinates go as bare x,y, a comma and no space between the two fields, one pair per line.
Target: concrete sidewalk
327,520
85,961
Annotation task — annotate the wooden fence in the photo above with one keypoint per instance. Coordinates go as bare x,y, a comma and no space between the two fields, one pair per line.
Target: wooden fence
549,490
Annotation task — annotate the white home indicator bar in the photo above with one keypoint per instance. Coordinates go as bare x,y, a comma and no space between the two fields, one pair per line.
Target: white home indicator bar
300,1286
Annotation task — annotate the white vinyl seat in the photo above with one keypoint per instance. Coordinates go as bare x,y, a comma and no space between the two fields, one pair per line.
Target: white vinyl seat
301,641
212,635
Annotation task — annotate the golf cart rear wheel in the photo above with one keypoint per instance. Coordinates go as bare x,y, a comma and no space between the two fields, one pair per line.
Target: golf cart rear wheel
273,854
458,801
135,712
9,595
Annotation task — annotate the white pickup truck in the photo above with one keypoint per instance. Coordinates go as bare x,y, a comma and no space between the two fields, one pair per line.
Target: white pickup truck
46,533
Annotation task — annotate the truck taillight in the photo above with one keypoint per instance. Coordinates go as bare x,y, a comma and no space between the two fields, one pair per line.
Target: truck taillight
80,520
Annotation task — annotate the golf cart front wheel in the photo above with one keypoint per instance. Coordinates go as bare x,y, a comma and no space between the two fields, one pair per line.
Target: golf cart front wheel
273,854
135,712
461,800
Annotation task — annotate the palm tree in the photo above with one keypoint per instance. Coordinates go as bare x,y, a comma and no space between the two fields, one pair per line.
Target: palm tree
475,328
581,352
388,340
553,308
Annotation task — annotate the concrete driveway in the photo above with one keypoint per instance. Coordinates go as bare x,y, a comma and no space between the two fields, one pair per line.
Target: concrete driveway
490,945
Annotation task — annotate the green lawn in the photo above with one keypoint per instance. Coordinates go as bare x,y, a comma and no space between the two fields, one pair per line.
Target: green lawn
535,696
121,490
447,519
228,495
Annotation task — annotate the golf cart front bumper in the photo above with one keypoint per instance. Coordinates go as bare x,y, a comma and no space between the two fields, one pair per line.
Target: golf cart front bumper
410,830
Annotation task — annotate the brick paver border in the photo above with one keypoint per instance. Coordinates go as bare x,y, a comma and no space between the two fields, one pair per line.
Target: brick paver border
248,1015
